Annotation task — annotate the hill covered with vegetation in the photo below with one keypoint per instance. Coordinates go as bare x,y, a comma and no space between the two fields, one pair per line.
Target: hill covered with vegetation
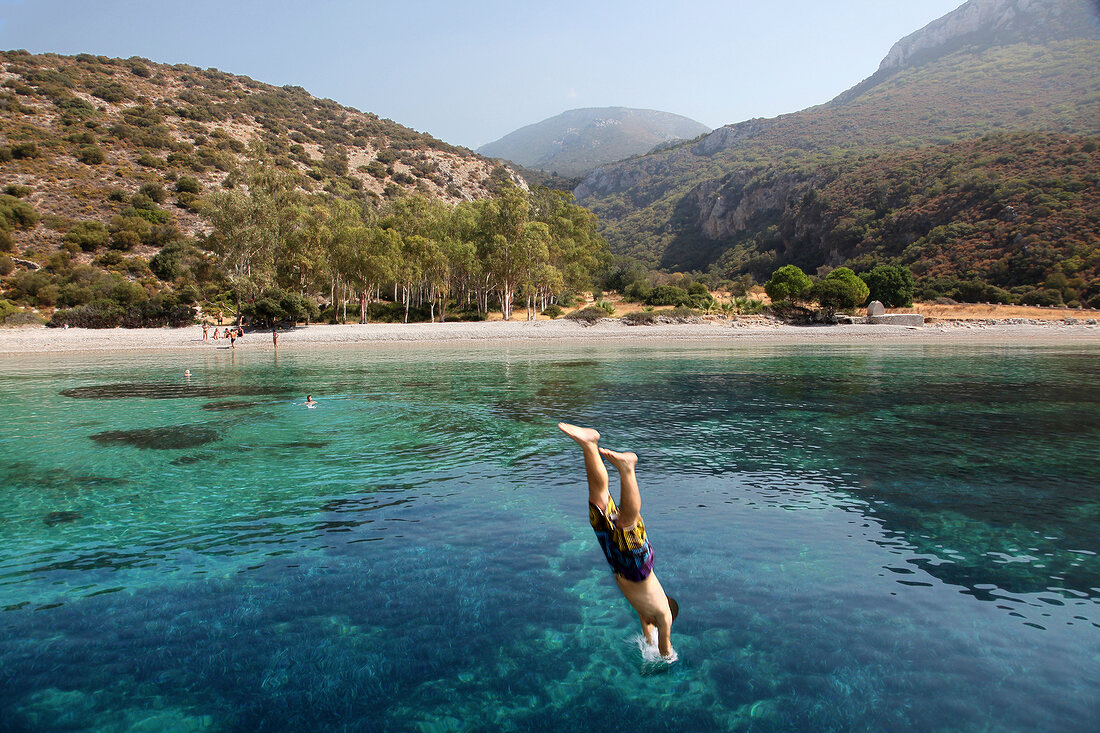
129,189
579,140
1002,96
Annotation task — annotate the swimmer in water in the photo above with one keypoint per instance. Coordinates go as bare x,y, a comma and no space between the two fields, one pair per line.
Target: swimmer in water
187,372
622,537
309,401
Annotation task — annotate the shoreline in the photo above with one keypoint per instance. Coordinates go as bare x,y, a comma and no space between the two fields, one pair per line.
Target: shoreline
53,340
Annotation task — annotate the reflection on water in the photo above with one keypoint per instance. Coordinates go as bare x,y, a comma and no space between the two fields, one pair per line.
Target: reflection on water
860,538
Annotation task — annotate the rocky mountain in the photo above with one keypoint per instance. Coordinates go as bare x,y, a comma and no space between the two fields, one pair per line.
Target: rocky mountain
998,70
579,140
81,136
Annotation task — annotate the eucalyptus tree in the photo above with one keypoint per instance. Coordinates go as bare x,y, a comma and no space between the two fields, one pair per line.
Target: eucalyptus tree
575,247
374,259
502,222
343,238
252,226
534,264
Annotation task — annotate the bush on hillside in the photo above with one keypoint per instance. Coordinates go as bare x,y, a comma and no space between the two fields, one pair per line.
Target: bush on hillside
91,155
553,311
16,214
188,184
88,235
153,191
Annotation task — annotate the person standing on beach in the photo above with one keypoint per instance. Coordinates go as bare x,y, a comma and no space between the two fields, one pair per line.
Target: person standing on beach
205,330
232,339
622,537
275,338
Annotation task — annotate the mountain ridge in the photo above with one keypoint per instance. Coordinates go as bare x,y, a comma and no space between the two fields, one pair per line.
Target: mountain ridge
659,207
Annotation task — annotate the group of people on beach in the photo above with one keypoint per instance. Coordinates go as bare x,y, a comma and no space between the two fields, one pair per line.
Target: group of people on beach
232,333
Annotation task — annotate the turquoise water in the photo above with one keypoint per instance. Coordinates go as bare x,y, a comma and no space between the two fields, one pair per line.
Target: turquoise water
860,538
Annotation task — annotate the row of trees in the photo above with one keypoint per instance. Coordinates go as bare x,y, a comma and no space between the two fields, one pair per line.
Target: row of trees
842,289
520,246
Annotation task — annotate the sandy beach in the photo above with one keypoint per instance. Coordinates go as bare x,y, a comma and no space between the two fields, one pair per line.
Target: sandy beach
53,340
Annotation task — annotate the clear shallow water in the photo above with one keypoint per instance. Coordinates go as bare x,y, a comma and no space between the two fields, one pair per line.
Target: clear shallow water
860,538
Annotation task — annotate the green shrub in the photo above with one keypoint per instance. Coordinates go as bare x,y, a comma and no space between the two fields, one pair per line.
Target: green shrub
588,316
279,306
23,318
112,92
151,161
189,201
13,189
188,184
1045,296
24,150
91,155
606,306
668,295
88,235
845,275
836,294
6,265
788,284
16,214
640,318
893,285
553,310
125,239
154,191
681,313
638,291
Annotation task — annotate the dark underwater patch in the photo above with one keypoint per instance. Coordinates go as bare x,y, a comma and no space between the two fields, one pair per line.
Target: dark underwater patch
231,405
302,444
61,517
187,460
166,438
165,391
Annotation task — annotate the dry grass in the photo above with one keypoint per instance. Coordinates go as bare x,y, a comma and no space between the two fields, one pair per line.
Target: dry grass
963,311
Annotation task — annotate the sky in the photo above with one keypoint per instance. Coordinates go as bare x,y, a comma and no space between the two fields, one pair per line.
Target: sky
469,72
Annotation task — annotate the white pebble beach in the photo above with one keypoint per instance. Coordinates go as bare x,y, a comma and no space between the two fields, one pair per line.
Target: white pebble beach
45,341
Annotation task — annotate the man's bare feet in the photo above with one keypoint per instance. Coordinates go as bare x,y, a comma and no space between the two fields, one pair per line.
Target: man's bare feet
621,461
579,434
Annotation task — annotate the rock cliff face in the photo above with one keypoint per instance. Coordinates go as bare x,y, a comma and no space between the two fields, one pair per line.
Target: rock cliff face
995,21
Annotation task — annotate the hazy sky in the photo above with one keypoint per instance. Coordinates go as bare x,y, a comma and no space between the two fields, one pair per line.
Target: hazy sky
470,72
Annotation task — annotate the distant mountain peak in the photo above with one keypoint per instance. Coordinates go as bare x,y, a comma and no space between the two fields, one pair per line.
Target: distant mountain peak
579,140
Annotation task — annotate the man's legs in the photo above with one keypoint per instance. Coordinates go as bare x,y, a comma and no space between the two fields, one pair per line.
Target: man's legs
588,439
630,500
